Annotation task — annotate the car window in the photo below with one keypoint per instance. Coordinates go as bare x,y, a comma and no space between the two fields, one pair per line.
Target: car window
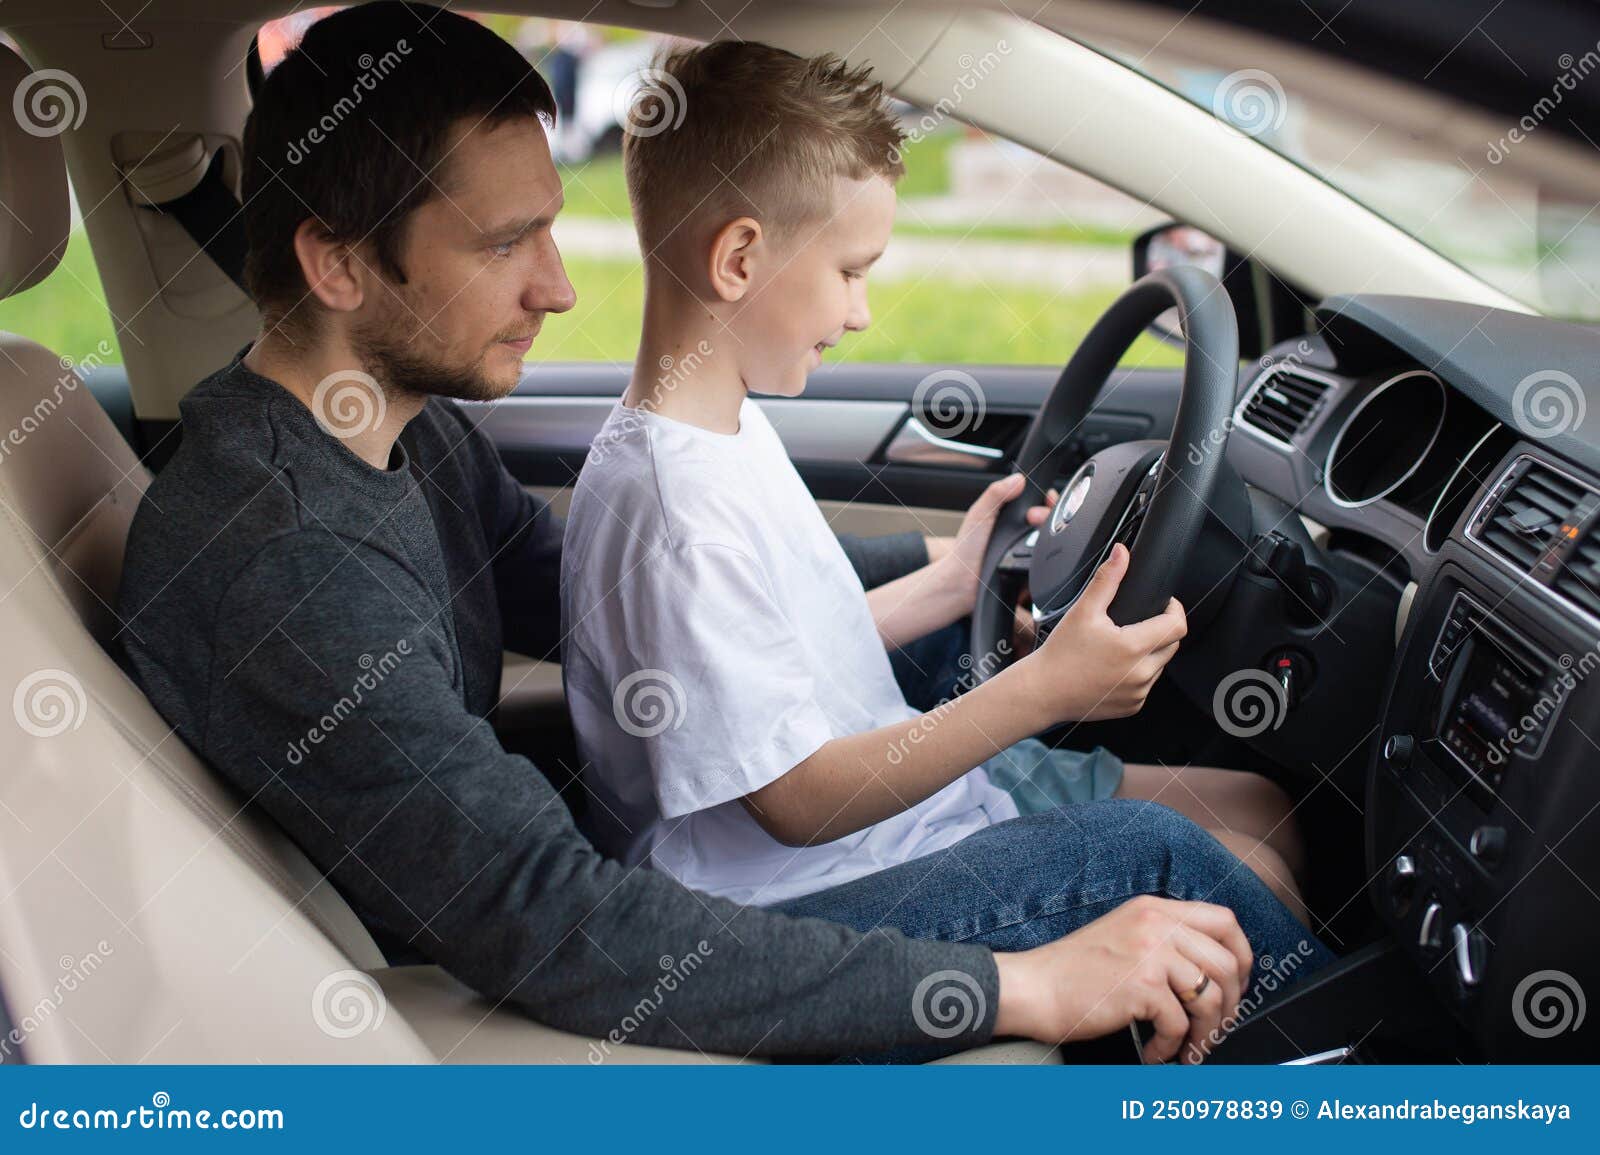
1509,203
999,255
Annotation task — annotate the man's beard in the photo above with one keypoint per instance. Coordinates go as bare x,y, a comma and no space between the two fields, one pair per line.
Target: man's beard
396,357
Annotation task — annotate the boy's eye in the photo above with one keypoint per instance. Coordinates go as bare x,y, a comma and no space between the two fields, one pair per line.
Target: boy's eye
851,274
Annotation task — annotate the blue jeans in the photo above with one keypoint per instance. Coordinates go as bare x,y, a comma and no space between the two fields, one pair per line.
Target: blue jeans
931,669
1034,879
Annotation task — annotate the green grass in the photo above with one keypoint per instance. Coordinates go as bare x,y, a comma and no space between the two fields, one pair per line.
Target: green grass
66,312
924,321
596,188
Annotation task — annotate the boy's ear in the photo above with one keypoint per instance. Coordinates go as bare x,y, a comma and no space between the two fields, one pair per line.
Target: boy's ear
732,259
333,274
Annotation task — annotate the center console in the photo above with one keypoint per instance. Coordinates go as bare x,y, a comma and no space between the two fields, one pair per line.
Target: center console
1483,813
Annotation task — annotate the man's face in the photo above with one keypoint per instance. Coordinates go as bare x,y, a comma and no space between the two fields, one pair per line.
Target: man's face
481,270
812,288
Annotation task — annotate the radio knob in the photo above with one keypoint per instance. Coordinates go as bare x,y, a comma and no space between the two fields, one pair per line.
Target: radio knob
1488,844
1428,936
1397,751
1469,950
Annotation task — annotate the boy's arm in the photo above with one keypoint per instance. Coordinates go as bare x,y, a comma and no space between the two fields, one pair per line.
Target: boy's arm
1089,668
945,590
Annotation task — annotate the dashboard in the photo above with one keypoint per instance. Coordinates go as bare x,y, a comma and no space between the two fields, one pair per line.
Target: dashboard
1451,450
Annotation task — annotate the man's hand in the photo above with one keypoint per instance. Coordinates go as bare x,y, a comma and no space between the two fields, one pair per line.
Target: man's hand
1141,962
962,556
1089,667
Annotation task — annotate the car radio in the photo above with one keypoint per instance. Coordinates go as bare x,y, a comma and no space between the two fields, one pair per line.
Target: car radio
1497,695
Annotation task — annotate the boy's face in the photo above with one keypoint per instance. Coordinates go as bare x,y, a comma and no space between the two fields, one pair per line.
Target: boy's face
812,289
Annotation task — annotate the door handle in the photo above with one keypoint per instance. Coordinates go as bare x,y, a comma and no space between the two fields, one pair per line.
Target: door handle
916,444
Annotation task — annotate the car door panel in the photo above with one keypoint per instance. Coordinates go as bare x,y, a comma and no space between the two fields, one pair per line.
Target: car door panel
853,435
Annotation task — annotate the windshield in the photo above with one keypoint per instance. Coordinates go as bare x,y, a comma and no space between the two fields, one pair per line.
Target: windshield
1511,203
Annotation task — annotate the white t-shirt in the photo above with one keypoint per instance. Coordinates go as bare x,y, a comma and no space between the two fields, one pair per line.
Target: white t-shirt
715,636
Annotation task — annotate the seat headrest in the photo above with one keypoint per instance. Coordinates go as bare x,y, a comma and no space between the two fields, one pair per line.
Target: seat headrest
33,175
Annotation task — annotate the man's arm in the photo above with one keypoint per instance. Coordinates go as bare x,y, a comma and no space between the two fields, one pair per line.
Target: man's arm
880,560
335,705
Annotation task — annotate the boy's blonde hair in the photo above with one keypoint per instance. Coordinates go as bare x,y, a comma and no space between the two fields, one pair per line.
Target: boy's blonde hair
736,128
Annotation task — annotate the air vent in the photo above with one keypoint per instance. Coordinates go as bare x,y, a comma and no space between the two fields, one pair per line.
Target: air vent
1532,512
1283,400
1579,580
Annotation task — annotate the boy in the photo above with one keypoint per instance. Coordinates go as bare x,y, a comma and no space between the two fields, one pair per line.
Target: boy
714,630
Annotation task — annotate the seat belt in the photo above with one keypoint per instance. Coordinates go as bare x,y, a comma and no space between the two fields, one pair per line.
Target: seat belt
205,208
214,220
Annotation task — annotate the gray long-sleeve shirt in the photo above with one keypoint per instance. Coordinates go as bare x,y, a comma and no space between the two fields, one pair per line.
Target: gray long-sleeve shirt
329,637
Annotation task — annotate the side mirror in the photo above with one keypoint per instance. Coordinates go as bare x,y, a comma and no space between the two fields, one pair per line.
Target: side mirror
1269,309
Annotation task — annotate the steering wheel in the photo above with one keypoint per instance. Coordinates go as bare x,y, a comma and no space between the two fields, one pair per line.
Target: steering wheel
1151,495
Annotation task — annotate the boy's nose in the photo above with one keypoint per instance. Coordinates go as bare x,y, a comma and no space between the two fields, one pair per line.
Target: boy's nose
859,316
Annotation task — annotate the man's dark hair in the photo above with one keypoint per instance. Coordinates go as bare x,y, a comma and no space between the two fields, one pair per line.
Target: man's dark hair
350,130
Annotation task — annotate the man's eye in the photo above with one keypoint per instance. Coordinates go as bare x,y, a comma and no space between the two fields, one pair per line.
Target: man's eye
503,249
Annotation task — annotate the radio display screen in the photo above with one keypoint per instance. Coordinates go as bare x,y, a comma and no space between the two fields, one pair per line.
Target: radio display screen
1497,709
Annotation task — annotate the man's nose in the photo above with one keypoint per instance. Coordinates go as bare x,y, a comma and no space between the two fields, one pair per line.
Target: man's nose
548,289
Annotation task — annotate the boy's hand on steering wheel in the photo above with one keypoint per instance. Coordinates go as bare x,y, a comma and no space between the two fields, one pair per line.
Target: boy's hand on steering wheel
963,555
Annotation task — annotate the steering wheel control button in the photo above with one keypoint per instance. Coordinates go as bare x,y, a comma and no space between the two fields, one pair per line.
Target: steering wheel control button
1397,751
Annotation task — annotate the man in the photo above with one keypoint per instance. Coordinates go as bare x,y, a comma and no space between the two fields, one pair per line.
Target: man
326,573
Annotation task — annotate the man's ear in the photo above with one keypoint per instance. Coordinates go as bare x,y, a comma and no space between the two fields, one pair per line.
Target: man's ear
333,275
735,250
